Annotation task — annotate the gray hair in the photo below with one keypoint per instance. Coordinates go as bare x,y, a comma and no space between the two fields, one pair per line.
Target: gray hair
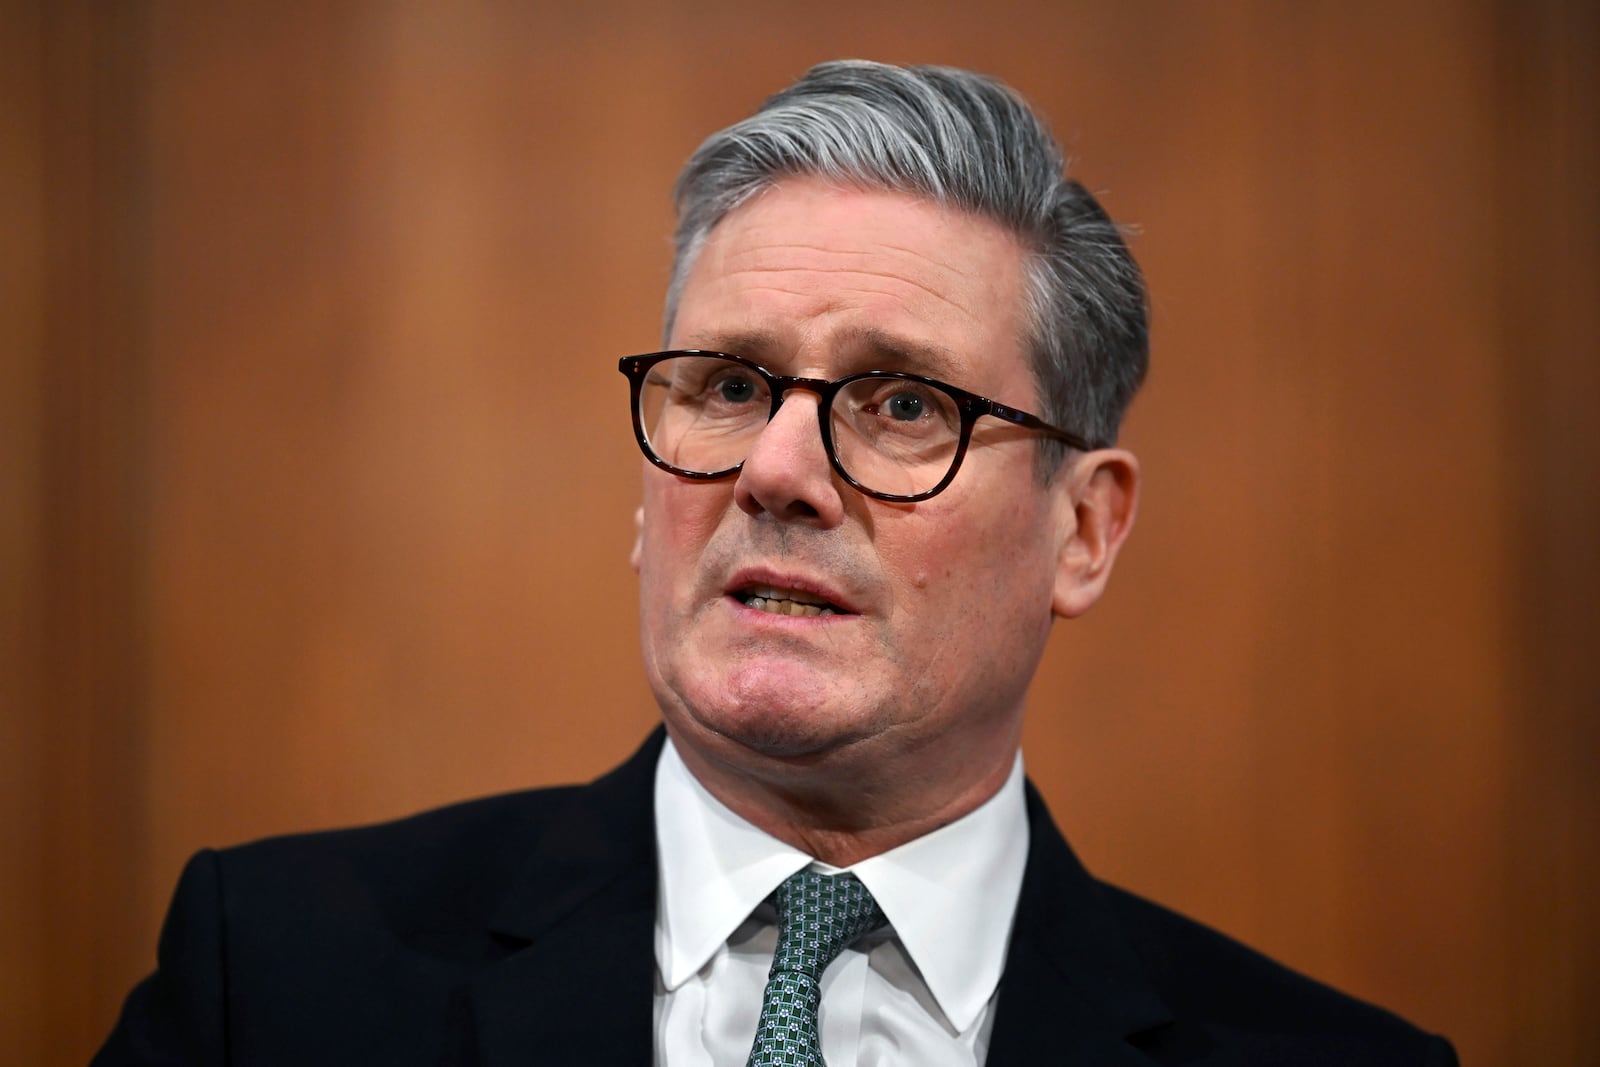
964,140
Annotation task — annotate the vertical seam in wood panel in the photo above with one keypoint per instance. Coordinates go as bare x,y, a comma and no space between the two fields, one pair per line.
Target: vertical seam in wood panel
93,516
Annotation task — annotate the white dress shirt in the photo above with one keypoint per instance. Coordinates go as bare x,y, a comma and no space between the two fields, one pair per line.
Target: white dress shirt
920,991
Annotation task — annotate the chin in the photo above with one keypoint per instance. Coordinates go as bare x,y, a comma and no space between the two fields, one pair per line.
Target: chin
787,741
785,724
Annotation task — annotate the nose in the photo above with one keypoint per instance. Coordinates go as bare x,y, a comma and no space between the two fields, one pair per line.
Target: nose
787,474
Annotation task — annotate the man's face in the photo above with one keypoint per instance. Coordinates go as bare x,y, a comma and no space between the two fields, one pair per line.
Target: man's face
942,607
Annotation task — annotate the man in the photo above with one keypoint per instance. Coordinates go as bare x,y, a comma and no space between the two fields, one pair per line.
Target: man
853,542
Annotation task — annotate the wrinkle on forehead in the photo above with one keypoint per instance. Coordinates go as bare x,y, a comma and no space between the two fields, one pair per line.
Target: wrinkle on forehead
862,291
865,347
815,259
949,265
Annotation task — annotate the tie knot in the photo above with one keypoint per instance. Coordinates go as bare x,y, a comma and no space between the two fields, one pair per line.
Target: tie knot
819,915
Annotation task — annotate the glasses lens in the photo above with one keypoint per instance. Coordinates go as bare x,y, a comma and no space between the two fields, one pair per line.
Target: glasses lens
702,413
894,435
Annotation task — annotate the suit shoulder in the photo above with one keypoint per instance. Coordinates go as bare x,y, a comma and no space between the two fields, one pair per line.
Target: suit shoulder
424,867
1206,976
447,827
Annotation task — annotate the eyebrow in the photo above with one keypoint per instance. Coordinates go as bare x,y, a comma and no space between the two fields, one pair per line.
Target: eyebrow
862,348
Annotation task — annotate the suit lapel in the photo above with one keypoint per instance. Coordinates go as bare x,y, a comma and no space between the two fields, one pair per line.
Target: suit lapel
579,922
1073,990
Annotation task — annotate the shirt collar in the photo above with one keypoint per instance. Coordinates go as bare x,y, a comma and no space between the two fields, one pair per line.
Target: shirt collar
950,895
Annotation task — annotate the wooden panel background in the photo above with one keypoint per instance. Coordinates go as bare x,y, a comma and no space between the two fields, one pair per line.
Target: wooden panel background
317,485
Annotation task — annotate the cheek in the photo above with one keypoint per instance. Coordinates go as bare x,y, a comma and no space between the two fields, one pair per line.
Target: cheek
969,550
677,521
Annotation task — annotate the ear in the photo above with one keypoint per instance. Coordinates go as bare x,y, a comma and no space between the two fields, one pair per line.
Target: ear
638,539
1102,491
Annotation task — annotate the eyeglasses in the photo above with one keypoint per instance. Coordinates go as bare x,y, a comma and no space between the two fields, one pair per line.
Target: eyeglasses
893,436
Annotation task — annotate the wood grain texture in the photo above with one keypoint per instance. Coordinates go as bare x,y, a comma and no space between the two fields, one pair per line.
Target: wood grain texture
75,694
319,485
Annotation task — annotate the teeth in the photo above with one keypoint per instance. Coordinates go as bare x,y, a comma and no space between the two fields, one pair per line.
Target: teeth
780,606
772,592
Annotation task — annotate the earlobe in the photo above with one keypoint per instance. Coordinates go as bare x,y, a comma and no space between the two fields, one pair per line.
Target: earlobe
1103,493
638,539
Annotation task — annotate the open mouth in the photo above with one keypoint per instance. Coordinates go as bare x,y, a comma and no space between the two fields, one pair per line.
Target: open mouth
775,600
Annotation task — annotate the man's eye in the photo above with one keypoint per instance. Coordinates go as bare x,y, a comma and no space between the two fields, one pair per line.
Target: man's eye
736,390
905,407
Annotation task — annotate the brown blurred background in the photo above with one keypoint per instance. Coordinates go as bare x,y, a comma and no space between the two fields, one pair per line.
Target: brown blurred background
316,482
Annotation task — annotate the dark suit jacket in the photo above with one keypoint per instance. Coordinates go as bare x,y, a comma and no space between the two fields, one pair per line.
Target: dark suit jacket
519,930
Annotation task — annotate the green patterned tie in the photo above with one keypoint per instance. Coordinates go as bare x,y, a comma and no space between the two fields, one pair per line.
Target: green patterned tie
819,915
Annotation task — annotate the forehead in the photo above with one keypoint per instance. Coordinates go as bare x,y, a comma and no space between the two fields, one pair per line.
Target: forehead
809,274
